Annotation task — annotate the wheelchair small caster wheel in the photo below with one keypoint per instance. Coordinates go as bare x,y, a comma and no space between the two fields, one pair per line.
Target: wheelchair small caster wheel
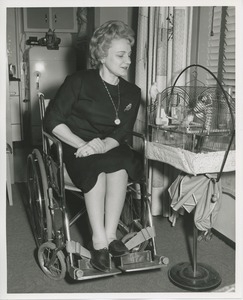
164,260
78,274
51,262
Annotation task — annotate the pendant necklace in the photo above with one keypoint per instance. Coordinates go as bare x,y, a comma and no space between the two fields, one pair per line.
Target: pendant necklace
117,121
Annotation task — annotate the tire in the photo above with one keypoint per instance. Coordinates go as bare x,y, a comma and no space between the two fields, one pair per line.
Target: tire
38,198
57,269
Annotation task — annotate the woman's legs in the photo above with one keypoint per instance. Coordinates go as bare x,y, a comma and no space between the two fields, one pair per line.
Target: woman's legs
95,205
106,200
116,186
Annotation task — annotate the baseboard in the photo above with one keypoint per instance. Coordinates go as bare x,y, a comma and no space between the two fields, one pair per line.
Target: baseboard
224,238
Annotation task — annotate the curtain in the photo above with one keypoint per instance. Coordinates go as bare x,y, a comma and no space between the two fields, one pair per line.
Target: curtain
163,51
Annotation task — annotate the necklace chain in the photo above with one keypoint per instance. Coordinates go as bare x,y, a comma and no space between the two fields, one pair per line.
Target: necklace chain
117,120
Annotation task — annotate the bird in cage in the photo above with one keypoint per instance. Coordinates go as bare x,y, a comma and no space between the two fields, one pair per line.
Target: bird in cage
204,110
186,122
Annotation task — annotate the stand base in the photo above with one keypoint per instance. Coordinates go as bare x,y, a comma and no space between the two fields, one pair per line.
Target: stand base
206,277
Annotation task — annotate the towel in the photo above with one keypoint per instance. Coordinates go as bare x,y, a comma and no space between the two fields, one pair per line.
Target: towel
201,192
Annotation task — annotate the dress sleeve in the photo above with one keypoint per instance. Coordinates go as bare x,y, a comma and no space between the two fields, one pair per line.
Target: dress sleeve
121,133
61,106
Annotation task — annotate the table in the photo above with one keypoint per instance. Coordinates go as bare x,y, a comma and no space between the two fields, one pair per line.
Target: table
196,276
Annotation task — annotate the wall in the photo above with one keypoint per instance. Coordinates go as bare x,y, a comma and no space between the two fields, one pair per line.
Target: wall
103,14
226,223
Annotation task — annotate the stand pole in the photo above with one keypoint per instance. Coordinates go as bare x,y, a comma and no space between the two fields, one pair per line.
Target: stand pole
196,276
194,251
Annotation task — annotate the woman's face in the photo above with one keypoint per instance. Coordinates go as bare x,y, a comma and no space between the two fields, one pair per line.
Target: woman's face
118,59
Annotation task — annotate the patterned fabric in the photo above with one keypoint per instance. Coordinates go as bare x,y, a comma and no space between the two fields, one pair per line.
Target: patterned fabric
189,162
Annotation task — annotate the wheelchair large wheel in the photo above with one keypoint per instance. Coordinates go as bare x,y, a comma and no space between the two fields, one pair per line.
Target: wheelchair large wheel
52,262
38,198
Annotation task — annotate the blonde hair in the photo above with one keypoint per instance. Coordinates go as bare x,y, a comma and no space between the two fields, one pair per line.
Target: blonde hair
103,36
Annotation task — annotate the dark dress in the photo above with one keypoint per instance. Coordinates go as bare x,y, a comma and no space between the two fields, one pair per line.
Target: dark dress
83,104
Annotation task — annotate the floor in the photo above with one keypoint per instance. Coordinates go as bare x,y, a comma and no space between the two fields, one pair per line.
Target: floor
25,277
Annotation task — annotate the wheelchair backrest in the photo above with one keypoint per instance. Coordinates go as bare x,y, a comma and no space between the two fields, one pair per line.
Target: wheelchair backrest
43,103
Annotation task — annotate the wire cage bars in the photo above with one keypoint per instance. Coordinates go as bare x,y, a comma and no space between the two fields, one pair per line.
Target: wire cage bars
195,117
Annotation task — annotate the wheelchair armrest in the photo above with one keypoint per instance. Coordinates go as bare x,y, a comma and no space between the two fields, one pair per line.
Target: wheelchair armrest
137,134
55,141
144,150
141,136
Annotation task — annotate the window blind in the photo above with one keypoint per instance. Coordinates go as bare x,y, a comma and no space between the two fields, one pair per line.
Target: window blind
221,46
229,49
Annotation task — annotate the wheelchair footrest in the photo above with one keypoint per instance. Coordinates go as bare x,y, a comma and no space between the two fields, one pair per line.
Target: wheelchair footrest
136,257
139,261
93,273
85,271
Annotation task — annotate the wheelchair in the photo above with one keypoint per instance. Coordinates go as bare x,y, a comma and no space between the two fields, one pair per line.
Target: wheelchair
58,254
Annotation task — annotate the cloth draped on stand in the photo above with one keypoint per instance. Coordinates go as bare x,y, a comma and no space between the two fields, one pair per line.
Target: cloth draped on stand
201,192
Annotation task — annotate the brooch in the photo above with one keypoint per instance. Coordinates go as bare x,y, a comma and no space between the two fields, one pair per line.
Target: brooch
128,107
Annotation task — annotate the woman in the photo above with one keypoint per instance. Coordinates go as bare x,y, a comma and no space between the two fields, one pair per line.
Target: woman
91,114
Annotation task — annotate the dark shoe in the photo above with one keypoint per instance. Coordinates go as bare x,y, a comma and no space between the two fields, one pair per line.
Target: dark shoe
117,248
100,259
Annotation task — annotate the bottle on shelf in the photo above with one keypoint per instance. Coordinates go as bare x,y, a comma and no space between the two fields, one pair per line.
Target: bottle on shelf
161,118
175,112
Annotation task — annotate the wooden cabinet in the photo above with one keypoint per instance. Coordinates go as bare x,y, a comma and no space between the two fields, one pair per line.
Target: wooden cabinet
36,19
62,19
15,108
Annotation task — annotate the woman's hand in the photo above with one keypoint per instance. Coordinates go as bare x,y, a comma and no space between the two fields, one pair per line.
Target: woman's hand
95,146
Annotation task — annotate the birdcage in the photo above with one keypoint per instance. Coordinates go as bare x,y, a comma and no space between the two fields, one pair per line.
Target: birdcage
192,119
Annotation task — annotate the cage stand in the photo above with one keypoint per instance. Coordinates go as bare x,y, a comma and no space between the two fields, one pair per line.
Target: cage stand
196,276
199,276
